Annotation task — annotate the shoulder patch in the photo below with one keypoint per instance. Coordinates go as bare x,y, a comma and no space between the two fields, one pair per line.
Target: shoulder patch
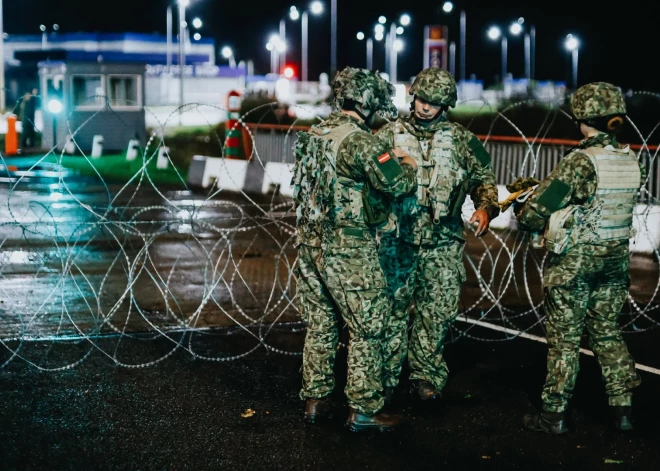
480,152
388,166
552,197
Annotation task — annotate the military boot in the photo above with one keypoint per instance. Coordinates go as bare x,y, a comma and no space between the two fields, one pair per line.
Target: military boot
553,423
424,390
622,418
317,410
381,421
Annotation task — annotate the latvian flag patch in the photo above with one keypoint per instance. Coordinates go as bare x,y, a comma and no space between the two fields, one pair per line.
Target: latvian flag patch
384,158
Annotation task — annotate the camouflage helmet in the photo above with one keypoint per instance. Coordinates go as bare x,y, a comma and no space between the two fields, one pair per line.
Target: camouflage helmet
597,99
367,88
436,86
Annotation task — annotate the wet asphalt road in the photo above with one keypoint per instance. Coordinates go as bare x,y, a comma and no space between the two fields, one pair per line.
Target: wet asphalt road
74,264
185,414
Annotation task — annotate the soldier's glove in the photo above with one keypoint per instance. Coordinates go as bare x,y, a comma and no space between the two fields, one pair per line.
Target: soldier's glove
520,190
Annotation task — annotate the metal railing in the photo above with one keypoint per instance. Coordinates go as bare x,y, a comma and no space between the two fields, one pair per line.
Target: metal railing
511,156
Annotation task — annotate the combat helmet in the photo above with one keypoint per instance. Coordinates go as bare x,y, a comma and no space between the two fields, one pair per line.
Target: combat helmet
436,86
367,89
597,100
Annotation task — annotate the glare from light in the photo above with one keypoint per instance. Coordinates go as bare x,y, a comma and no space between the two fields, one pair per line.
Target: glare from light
494,33
405,20
360,35
398,45
197,23
382,20
56,26
447,7
42,27
227,52
197,36
521,20
571,43
378,37
294,14
317,8
54,106
269,46
288,72
277,42
379,29
515,28
399,30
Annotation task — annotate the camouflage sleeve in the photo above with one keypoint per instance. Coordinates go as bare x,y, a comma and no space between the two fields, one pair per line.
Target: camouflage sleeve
386,134
371,158
571,182
482,186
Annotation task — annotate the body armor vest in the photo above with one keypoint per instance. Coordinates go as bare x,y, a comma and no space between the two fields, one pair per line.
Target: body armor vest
439,172
608,215
325,200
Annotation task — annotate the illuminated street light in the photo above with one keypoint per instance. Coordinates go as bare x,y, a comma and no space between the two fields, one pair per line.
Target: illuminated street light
571,43
494,33
197,23
294,14
447,7
379,29
42,28
382,20
399,30
405,20
398,45
269,46
360,36
521,20
378,36
227,52
515,28
317,8
55,106
197,37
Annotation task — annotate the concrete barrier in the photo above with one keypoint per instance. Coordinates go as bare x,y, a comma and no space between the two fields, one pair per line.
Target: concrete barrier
241,175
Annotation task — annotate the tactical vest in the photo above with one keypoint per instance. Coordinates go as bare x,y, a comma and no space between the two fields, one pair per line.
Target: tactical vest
326,200
608,215
439,172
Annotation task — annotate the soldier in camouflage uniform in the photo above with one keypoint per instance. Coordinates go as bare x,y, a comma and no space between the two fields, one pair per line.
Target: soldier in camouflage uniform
586,208
343,178
423,262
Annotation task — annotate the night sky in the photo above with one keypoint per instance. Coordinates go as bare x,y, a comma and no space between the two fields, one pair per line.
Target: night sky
618,46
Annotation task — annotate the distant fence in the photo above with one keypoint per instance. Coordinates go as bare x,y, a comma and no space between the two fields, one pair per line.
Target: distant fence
512,156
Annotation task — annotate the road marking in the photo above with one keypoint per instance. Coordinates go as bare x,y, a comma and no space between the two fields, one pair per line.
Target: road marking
487,325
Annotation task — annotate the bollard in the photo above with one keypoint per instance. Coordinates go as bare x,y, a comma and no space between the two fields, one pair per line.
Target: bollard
162,161
132,151
97,146
11,138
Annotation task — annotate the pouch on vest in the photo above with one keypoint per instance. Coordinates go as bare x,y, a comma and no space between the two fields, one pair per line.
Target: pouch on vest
558,232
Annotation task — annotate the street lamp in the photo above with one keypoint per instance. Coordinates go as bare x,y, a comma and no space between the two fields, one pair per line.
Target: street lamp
393,45
197,36
197,23
316,8
405,20
228,54
494,33
572,44
276,46
370,50
382,20
448,7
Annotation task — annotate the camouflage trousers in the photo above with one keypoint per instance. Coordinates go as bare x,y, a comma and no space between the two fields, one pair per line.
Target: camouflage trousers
430,277
347,282
592,298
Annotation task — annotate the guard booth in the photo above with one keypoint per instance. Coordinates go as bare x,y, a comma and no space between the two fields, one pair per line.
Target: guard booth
86,99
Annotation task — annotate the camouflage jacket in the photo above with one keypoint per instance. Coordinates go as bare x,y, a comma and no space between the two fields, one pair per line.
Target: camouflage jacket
572,182
415,222
362,161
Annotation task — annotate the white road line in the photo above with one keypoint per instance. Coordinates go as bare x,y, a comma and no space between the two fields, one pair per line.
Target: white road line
536,338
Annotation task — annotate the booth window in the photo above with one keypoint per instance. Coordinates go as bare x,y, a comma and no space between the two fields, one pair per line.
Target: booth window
124,91
87,91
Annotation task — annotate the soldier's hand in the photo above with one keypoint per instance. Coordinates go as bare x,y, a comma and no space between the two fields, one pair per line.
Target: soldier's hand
399,152
410,161
481,218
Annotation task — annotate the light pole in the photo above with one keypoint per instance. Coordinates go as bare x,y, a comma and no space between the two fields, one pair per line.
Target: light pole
494,33
55,107
228,54
333,39
448,7
316,8
182,54
370,50
572,44
169,39
276,46
452,58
